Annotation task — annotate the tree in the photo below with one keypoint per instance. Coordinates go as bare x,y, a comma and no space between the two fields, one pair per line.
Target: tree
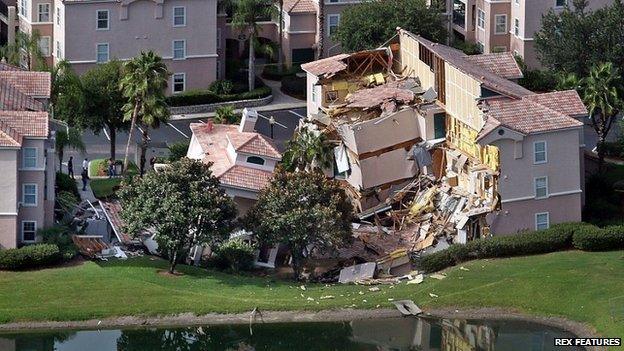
154,113
320,19
25,51
280,57
183,203
603,94
104,102
371,23
304,211
309,149
247,15
143,85
70,137
67,100
574,40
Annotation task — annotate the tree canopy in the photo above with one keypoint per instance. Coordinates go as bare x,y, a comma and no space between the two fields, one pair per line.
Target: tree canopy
575,39
308,149
302,210
183,204
372,23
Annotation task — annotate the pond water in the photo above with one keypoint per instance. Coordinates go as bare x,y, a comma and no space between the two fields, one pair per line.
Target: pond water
393,334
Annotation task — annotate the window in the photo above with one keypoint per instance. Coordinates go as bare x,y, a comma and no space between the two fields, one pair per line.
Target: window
29,231
333,22
539,152
59,54
480,19
313,94
29,157
501,24
179,49
102,20
44,12
541,187
542,221
516,27
44,46
179,82
23,7
218,38
102,53
255,160
58,16
517,2
561,3
29,194
179,16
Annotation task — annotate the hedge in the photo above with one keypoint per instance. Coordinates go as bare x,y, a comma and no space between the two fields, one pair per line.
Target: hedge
203,97
65,183
599,239
293,85
558,237
271,72
32,256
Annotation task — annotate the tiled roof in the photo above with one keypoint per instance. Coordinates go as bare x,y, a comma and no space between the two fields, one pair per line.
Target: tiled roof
246,177
502,64
327,66
14,100
112,210
486,77
19,124
527,116
214,140
8,136
254,144
34,84
567,102
299,6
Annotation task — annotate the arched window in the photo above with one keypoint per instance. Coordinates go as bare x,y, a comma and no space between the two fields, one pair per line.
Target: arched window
255,160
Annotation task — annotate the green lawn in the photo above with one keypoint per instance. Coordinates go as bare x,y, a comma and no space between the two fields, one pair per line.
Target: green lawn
104,187
582,286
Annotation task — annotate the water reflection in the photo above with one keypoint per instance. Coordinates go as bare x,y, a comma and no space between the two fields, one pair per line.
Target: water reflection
383,334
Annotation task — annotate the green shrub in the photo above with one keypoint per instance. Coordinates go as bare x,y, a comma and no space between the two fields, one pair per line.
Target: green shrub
226,115
221,87
32,256
293,85
592,238
65,183
556,238
236,255
178,150
612,148
202,97
271,72
61,237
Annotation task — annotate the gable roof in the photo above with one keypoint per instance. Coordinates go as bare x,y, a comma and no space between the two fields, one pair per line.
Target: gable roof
13,99
34,84
503,64
567,102
299,6
254,144
24,124
246,177
327,66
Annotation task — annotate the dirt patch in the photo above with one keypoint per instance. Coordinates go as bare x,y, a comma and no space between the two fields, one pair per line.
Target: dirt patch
166,273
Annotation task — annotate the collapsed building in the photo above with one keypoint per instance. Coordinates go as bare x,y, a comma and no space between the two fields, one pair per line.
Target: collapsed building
437,147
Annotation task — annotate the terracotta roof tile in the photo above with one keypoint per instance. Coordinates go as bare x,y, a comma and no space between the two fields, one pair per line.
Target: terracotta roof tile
6,139
299,6
34,84
112,210
27,123
254,144
12,99
246,177
502,64
327,66
567,102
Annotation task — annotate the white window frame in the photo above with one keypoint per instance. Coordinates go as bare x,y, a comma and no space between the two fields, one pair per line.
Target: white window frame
36,157
313,94
23,7
173,49
516,27
496,17
58,16
517,2
39,12
535,161
59,54
173,80
537,215
535,180
49,41
565,2
97,19
329,25
34,232
36,194
173,16
480,19
97,52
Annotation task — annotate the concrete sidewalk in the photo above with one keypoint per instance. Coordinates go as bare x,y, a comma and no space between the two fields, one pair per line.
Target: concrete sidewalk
86,194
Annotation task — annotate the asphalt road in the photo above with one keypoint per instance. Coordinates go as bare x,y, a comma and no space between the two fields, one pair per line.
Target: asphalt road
98,145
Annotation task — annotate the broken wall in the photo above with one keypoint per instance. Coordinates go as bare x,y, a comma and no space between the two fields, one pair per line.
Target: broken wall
412,64
465,92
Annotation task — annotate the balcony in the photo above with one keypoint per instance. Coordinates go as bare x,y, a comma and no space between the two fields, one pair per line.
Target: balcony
459,13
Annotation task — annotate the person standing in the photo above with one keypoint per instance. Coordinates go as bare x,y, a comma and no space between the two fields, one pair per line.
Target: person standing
111,168
70,167
85,179
85,164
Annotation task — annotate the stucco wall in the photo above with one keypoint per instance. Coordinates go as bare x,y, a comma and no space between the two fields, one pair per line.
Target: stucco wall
8,181
8,231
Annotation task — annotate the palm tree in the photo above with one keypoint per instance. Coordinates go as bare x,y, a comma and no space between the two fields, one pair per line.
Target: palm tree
321,29
308,150
603,94
246,17
144,83
280,57
70,137
154,113
25,51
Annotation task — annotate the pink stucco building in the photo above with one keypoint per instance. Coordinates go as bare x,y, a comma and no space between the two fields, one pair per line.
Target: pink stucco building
505,25
26,156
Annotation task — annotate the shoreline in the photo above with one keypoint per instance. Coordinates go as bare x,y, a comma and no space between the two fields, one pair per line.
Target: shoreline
338,315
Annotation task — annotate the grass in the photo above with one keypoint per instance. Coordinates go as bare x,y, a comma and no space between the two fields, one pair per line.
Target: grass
103,188
582,286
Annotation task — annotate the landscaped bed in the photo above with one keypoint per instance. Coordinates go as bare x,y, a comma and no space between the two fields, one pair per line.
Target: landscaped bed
581,286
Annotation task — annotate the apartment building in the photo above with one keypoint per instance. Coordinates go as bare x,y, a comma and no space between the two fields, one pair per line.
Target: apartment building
505,25
89,32
485,153
26,156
